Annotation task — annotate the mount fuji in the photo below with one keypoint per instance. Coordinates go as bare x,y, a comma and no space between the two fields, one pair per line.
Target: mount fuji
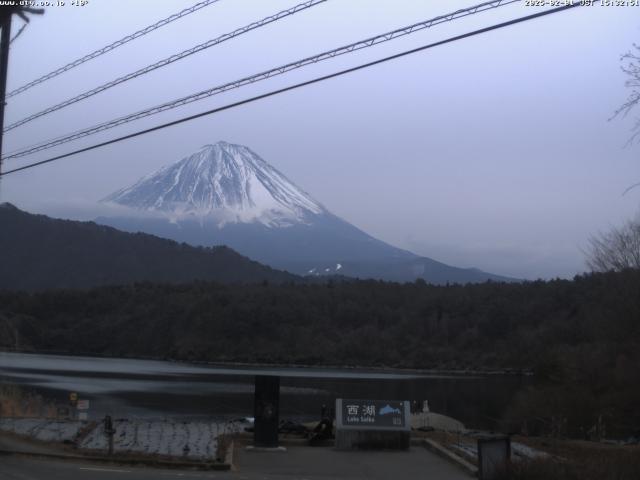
227,194
224,182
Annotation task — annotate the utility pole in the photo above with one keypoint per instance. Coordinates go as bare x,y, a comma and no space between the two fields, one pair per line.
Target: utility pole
4,64
6,15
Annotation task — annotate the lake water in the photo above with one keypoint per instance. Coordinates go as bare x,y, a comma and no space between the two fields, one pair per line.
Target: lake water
157,389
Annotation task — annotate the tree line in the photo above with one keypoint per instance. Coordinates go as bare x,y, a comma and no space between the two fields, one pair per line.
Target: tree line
581,337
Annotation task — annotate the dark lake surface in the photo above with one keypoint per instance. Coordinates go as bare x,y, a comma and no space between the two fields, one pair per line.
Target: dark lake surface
158,389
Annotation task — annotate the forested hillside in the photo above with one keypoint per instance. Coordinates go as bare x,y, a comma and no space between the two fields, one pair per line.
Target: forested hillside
357,322
38,252
580,337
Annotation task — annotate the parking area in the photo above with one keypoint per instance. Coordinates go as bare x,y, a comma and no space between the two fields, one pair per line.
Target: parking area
318,463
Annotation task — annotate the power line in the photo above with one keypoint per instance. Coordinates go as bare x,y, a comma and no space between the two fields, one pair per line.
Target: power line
169,60
113,46
296,86
18,34
369,42
8,155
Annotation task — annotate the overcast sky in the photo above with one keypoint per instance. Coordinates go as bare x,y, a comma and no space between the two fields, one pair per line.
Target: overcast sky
493,152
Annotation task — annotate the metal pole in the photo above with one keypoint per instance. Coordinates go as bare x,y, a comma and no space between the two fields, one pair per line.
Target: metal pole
4,64
109,431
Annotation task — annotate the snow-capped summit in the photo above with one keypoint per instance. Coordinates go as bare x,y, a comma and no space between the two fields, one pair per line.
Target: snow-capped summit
227,182
225,194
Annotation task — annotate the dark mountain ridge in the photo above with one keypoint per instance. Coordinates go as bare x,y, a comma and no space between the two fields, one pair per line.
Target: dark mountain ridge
39,252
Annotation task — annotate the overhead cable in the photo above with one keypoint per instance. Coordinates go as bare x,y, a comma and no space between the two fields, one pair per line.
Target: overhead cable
369,42
18,34
167,61
294,87
112,46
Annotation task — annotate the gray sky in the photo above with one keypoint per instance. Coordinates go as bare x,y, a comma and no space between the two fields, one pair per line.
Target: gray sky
493,152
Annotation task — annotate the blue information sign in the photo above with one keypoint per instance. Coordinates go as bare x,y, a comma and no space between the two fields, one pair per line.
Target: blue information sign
373,413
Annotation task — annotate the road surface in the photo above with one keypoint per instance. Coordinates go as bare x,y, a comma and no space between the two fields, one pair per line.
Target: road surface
297,463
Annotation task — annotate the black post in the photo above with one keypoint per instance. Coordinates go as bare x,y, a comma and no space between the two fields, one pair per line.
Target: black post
109,431
266,411
494,456
4,65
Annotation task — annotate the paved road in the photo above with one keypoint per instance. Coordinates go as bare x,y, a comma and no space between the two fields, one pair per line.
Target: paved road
14,443
298,463
327,463
23,468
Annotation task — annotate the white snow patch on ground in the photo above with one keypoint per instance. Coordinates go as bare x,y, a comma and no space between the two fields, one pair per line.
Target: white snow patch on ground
131,436
437,421
524,451
161,438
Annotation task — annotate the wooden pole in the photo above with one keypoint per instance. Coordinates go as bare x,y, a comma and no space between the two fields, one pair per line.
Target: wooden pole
4,65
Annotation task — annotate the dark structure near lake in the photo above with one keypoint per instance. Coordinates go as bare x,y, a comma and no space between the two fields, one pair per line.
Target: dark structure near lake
266,411
494,454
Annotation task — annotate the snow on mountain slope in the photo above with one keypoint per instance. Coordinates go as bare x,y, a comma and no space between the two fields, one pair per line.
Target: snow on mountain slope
225,181
225,194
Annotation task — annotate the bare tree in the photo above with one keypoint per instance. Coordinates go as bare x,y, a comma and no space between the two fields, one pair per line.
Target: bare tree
617,249
631,67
